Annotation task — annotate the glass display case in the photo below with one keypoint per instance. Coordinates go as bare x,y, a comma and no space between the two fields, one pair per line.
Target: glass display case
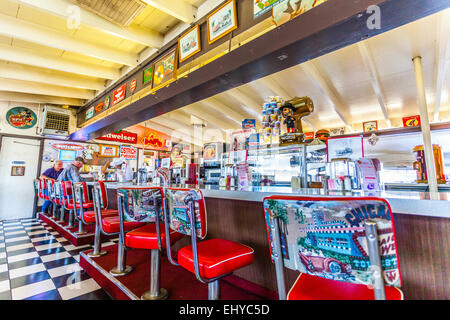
276,166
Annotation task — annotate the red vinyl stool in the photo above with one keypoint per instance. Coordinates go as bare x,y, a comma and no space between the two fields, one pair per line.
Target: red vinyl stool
145,205
100,199
65,192
344,247
37,183
82,202
51,192
110,226
68,203
211,259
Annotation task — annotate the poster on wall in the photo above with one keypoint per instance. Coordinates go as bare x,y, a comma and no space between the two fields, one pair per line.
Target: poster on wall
67,155
222,21
106,102
411,121
21,117
129,153
285,10
189,44
132,86
262,6
345,147
165,69
108,151
148,76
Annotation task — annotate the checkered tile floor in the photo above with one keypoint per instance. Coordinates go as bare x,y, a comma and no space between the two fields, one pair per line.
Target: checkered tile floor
37,263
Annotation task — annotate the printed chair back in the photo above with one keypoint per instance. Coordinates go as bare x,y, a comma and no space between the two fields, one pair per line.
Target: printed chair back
142,204
178,202
326,237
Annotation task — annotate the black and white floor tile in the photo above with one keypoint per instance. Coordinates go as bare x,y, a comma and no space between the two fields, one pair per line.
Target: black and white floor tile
36,263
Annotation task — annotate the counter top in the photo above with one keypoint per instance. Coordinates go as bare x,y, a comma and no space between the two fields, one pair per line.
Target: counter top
435,204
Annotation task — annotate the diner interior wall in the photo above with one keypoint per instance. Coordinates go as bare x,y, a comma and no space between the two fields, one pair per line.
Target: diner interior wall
6,128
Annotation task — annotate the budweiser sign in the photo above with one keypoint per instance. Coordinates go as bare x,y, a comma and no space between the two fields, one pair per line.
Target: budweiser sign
121,136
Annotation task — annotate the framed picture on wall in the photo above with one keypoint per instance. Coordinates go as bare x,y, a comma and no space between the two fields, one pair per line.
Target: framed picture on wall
345,147
148,76
189,44
370,126
165,69
222,21
17,170
108,151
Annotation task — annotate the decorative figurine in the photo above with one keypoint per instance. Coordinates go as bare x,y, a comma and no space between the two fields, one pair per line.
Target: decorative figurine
293,111
287,111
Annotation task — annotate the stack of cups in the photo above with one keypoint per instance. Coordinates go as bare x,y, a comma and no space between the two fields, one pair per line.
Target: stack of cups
272,118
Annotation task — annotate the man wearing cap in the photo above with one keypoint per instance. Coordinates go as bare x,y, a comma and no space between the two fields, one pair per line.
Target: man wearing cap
72,171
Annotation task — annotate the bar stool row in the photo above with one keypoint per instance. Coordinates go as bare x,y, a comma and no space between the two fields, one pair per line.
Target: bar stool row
144,218
146,215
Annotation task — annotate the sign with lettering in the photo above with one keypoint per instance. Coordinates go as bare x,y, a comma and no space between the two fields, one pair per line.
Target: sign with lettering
120,136
129,153
89,113
119,94
107,101
67,146
21,118
99,107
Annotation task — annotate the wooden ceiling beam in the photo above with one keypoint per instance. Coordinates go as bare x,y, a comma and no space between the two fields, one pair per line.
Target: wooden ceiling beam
328,90
42,99
369,63
176,8
31,32
33,58
44,89
441,59
23,72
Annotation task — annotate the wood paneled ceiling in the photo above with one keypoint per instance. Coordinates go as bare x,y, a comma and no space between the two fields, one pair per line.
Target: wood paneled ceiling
64,51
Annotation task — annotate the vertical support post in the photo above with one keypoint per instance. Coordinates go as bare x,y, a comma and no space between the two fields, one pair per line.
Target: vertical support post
214,290
277,255
425,124
375,261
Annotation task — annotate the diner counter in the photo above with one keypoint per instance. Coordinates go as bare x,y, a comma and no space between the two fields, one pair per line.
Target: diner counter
421,224
402,202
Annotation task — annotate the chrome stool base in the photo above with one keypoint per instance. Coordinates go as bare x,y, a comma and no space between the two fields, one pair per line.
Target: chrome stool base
163,294
94,255
116,273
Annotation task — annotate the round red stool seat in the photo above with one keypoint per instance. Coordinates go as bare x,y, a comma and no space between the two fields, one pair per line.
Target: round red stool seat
112,224
89,216
145,237
216,257
308,287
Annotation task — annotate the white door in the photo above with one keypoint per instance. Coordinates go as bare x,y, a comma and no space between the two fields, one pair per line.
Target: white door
17,192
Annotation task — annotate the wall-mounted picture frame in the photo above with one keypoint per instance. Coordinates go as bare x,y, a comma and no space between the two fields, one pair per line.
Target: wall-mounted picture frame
369,126
147,77
165,69
189,44
222,21
351,147
17,171
108,151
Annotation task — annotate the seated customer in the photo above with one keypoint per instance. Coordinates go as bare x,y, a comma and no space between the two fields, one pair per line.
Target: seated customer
72,171
51,174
